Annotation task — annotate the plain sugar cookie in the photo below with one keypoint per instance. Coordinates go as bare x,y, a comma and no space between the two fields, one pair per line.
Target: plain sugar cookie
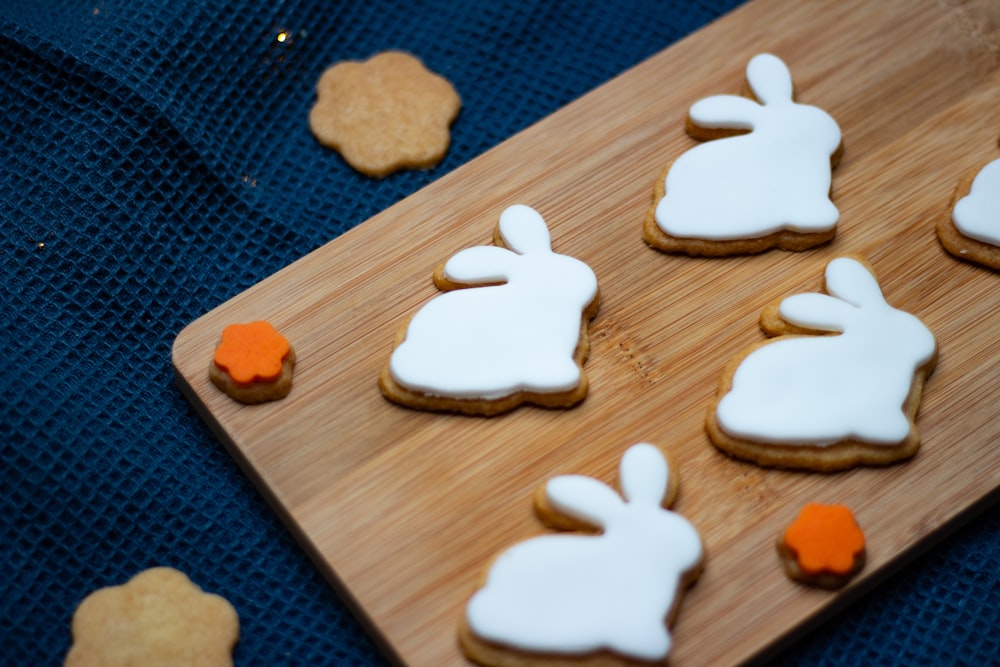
385,114
159,618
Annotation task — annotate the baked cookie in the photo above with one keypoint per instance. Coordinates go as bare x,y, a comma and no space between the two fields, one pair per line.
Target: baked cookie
253,363
607,598
157,619
971,230
806,399
823,547
512,327
385,114
762,179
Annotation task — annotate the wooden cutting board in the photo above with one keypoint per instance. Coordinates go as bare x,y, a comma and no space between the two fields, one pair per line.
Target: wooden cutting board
403,509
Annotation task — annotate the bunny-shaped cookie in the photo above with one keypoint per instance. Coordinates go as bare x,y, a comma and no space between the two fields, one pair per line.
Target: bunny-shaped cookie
828,402
971,229
576,594
747,192
519,334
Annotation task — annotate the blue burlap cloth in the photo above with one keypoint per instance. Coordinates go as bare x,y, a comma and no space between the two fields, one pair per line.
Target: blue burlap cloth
155,161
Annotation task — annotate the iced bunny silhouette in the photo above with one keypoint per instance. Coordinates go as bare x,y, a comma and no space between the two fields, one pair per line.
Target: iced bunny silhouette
971,229
511,327
821,390
580,593
776,177
978,212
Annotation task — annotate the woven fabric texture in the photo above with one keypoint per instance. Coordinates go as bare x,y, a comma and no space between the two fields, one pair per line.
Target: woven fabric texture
155,162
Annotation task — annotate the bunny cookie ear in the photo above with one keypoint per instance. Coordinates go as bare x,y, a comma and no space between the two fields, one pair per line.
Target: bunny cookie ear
644,475
523,230
480,264
583,498
769,79
816,311
850,280
724,112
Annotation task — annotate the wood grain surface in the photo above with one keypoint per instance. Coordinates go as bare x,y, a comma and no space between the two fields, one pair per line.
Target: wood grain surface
402,509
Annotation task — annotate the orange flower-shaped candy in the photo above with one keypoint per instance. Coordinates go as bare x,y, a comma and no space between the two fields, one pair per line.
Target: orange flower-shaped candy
385,114
253,363
251,352
823,546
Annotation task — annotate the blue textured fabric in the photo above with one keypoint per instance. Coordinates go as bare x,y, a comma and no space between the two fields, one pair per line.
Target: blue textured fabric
156,161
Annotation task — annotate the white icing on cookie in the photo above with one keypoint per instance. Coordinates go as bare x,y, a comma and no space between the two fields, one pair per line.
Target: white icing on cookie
750,185
576,594
818,390
977,215
491,341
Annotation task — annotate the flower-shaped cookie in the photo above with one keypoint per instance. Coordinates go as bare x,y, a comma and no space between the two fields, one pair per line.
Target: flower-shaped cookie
158,618
385,114
823,546
253,363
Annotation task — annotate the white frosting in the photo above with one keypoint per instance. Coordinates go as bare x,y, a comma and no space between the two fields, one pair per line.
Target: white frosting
750,185
819,390
977,215
492,341
576,594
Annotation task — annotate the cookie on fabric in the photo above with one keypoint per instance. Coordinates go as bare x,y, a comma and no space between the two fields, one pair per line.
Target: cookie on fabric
838,384
606,597
159,618
823,547
253,363
385,114
761,180
971,229
512,327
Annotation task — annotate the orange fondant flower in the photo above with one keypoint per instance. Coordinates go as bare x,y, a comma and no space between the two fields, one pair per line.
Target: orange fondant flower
251,352
825,538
